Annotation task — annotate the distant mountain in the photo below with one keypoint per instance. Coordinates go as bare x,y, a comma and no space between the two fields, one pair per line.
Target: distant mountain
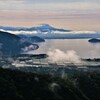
32,39
94,40
40,28
11,44
48,28
66,36
46,31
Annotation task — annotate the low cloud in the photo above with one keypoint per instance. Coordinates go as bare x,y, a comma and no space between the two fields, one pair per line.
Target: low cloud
29,48
59,32
60,56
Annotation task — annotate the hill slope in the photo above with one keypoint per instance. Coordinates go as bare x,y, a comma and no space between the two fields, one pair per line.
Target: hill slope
12,44
32,39
16,85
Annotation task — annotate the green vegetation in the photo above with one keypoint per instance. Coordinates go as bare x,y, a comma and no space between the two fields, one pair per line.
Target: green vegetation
17,85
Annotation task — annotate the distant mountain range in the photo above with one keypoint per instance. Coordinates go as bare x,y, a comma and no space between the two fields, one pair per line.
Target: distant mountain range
46,31
11,44
39,28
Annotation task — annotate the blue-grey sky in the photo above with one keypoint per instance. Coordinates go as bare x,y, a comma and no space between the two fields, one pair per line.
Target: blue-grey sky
69,14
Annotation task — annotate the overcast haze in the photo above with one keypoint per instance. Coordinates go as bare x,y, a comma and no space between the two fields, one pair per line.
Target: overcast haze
68,14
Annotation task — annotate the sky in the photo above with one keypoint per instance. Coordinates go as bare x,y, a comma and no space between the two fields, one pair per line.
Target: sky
67,14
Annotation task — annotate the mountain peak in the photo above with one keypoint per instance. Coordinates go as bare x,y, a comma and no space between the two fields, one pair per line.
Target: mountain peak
44,26
40,27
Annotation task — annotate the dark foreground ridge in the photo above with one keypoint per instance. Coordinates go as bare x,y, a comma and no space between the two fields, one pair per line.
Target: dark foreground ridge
17,85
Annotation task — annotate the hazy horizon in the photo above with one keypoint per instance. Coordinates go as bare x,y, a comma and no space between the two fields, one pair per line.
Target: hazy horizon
66,14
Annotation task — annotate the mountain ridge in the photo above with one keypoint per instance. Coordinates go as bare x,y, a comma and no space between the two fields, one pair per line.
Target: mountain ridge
41,27
11,44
